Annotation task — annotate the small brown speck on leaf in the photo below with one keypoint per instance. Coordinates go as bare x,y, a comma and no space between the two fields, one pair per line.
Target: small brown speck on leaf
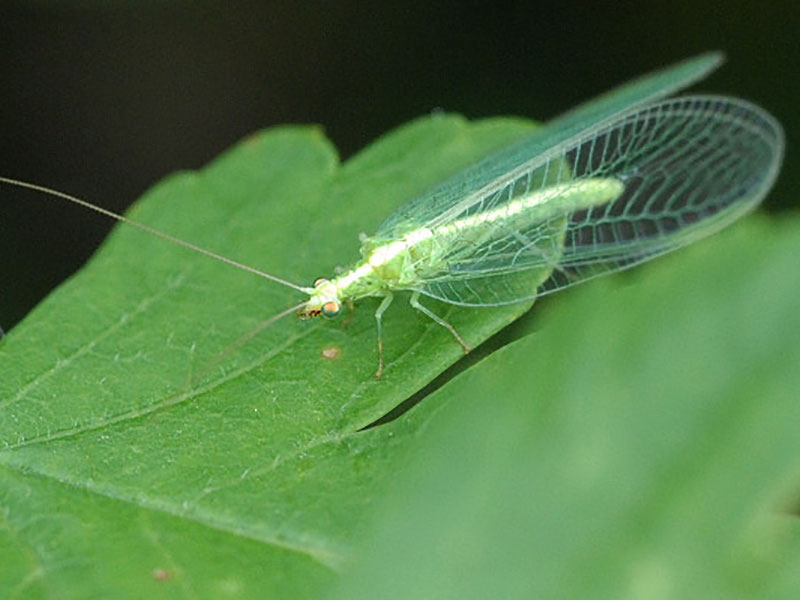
162,574
331,352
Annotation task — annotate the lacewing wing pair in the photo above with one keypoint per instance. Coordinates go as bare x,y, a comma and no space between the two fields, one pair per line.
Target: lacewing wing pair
612,183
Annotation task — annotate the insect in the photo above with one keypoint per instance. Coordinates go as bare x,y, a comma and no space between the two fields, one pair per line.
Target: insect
613,183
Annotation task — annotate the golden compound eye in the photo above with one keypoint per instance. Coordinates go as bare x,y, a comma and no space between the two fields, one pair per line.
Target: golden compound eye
331,309
318,282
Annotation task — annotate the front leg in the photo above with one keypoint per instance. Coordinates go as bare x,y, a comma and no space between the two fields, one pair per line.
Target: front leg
387,300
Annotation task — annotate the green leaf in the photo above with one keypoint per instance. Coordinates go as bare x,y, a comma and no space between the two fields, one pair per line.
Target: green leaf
140,445
641,444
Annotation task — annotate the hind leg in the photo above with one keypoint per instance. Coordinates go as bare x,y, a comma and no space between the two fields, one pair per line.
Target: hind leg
416,304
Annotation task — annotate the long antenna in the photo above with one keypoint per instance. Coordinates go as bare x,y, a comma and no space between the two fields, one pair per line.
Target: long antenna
143,227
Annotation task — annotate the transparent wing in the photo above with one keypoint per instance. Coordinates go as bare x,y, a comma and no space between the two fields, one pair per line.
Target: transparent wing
677,170
460,190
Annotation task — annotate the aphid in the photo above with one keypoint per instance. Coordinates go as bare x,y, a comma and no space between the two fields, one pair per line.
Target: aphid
608,185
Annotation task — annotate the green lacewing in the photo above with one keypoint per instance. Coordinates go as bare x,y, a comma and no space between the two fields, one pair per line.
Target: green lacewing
610,184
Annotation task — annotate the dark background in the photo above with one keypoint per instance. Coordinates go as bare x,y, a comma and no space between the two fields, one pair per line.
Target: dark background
101,99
